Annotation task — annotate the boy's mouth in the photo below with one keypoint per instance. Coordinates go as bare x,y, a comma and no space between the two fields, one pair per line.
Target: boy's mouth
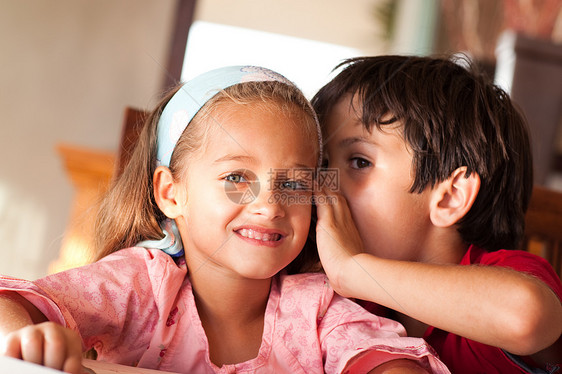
257,235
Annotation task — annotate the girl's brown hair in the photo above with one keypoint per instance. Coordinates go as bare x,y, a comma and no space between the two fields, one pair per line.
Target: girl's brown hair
128,214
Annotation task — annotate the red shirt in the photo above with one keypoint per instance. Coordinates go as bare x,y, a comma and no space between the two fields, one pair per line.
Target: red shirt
462,355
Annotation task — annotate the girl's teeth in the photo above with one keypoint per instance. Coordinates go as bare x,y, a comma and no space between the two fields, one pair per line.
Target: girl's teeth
264,237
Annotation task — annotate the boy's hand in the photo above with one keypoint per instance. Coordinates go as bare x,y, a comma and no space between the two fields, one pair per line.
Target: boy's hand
338,240
47,344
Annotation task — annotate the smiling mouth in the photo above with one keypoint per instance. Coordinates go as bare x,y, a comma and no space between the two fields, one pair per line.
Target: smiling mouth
256,235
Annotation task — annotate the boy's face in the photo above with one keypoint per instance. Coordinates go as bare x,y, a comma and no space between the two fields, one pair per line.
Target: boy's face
375,178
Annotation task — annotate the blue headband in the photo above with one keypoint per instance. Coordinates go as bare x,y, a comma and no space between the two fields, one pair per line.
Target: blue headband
191,97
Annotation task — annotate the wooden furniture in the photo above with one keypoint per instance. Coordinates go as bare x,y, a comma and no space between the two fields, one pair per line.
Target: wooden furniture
133,119
543,226
91,172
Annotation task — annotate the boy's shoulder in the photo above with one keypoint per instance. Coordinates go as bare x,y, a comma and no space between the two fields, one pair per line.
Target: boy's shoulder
518,260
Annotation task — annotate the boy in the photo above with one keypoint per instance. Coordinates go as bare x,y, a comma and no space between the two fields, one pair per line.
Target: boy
435,171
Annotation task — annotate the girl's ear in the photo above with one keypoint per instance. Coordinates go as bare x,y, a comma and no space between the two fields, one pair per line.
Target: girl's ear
452,199
166,192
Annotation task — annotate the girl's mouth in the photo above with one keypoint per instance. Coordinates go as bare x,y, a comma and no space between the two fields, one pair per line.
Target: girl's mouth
258,235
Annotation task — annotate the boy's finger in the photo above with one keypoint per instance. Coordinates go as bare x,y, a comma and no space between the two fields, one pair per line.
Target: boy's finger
324,210
334,201
341,208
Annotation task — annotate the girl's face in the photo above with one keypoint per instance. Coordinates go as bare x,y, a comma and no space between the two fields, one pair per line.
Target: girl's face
248,190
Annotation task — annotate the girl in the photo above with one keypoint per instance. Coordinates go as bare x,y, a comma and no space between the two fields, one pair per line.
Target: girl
224,304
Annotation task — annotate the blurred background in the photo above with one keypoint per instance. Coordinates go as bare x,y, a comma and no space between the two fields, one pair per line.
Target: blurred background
69,68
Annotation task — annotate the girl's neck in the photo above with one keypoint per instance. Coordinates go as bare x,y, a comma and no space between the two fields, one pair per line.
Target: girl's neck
232,312
232,299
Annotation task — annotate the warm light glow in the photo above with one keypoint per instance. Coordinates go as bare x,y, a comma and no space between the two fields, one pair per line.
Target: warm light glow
75,252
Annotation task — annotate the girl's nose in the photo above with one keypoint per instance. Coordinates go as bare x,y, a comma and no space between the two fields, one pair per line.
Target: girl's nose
268,203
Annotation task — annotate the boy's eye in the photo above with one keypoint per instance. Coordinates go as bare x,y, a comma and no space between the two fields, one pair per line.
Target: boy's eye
359,163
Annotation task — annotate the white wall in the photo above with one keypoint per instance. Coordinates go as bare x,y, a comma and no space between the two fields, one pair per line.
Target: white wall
67,70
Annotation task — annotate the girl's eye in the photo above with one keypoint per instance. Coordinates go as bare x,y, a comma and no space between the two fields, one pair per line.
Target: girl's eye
235,178
359,163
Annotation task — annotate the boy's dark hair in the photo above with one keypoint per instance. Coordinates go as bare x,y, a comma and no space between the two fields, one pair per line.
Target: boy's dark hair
452,116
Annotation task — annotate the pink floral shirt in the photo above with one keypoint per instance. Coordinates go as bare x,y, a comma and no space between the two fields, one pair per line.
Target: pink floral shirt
136,307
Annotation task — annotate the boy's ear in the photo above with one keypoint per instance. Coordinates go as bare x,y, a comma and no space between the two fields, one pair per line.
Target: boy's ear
166,192
452,199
